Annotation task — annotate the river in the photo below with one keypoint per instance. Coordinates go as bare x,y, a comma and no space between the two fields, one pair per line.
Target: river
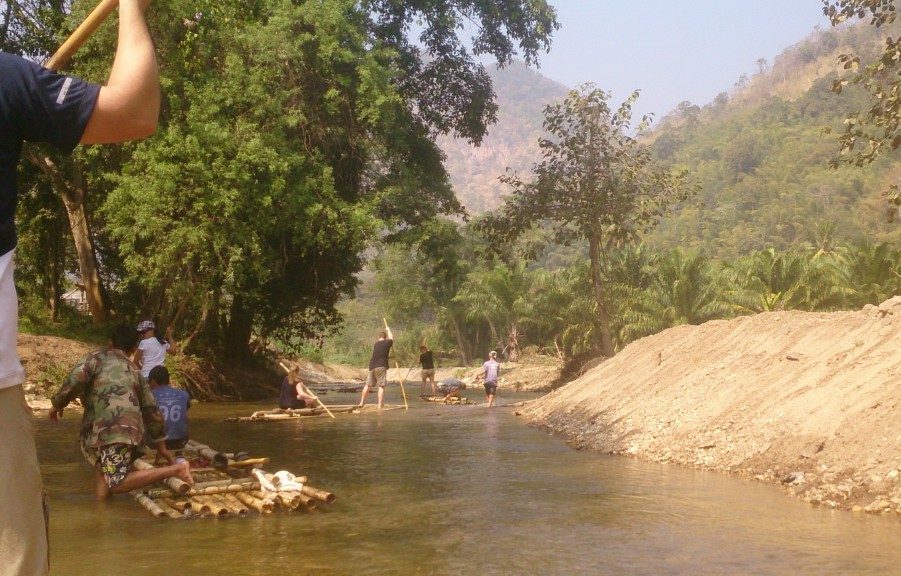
447,490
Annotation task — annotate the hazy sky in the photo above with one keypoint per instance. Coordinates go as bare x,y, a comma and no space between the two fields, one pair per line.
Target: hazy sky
672,50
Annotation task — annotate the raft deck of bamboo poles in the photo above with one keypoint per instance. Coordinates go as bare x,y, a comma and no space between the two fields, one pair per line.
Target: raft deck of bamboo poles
279,414
459,400
229,489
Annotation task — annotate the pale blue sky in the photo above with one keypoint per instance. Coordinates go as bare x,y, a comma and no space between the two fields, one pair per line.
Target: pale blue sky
672,50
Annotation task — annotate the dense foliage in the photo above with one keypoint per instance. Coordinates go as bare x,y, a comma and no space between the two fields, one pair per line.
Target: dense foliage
294,134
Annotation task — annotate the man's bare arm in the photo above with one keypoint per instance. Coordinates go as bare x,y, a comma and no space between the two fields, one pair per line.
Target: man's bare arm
128,106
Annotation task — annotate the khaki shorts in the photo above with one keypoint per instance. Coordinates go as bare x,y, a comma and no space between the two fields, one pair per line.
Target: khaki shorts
377,377
23,526
11,372
428,373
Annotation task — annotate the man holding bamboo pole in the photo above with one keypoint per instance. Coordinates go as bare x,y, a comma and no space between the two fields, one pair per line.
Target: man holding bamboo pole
37,104
378,365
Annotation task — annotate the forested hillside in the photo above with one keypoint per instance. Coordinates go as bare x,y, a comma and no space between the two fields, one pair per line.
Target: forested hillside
761,157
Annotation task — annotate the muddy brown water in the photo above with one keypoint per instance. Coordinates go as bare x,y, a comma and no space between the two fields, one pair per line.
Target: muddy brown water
456,490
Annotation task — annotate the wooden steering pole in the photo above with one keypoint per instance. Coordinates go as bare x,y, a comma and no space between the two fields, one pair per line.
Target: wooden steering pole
81,34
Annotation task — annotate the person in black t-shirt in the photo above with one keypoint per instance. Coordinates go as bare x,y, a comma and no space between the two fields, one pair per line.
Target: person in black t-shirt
427,361
378,365
39,105
292,395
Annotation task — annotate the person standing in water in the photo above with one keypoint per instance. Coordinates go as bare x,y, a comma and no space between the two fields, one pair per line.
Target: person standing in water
427,361
490,372
378,365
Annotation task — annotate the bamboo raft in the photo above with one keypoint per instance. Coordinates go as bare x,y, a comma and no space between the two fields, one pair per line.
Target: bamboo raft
457,400
230,488
280,415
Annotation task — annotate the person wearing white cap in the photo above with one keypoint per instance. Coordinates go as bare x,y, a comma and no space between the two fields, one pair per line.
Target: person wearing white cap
490,372
152,350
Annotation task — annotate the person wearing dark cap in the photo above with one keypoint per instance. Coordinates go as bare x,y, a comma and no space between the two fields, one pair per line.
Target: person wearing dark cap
152,349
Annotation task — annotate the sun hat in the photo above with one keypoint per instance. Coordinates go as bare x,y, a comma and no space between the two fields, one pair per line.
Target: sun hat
146,325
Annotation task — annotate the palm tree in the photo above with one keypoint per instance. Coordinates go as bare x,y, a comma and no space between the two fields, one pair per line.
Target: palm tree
494,295
868,273
772,280
683,292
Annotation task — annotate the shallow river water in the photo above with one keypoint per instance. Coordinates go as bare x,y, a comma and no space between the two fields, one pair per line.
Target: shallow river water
456,490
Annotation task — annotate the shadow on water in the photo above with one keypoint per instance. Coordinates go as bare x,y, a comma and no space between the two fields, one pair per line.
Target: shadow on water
457,490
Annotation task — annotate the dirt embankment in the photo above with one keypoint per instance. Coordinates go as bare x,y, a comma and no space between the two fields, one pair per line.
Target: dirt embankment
808,400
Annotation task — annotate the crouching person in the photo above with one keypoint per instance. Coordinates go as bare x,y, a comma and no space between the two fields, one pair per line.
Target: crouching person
451,388
118,409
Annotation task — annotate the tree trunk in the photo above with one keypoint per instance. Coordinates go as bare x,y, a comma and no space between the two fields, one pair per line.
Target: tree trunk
461,342
238,331
597,281
72,194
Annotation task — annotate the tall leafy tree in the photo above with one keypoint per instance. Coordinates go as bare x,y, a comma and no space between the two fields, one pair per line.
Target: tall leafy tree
596,184
876,131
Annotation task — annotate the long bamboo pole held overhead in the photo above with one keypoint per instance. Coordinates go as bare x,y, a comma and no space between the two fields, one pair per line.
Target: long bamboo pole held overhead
81,34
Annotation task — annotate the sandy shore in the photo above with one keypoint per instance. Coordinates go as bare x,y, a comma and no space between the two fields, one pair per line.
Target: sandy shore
810,401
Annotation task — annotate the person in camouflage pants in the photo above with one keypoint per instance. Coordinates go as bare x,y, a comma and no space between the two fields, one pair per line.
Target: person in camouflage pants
118,408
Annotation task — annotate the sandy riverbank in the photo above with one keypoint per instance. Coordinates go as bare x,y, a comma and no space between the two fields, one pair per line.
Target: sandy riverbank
808,400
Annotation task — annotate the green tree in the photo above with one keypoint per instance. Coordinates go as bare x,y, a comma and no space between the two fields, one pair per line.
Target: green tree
868,273
596,184
877,131
684,291
773,280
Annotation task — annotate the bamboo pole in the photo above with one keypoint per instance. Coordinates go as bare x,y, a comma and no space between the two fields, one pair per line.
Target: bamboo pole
170,511
261,506
308,502
179,486
318,494
308,391
199,508
81,34
404,392
181,505
216,507
149,504
234,505
217,458
290,500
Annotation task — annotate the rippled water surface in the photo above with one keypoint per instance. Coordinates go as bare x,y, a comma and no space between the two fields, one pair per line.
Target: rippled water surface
457,490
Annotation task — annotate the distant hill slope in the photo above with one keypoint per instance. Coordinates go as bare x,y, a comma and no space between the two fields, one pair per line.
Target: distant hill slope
522,94
761,157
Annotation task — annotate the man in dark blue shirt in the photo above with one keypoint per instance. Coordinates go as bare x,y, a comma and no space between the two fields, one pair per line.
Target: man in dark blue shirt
42,106
173,404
